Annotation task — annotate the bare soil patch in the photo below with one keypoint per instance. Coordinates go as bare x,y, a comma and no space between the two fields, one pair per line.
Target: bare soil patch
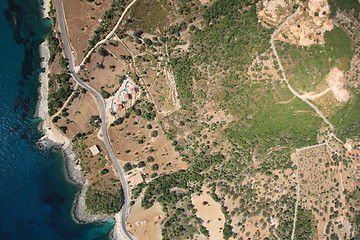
145,224
336,82
80,111
272,13
106,77
263,67
309,26
210,212
133,143
205,2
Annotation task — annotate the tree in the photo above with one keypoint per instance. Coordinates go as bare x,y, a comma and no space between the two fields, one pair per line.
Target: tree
154,134
141,164
155,167
63,129
137,112
148,41
138,34
150,159
128,167
103,52
95,121
100,65
105,94
227,231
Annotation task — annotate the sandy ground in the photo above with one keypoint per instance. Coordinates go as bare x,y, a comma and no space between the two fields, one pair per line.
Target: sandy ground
81,109
309,26
46,7
48,129
336,82
146,224
312,95
273,12
205,2
210,213
165,153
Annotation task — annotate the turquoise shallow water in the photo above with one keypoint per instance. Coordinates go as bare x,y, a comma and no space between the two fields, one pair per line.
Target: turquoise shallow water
36,197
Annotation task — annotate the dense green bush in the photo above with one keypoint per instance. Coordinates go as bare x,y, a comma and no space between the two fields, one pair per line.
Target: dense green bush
102,201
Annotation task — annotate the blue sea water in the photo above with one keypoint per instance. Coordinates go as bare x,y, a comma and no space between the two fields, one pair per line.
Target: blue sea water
36,198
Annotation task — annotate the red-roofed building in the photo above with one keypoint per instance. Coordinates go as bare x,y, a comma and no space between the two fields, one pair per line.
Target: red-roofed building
126,96
133,89
119,106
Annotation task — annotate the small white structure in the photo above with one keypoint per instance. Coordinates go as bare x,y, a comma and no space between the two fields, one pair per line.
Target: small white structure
136,179
94,150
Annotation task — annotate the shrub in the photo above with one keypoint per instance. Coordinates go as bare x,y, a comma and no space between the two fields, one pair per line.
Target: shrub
103,52
128,166
155,167
104,171
150,159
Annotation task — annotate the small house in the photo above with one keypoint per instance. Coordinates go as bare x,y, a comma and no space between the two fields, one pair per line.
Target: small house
126,97
136,179
119,106
94,150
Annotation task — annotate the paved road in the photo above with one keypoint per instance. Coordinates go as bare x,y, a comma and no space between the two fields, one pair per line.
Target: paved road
124,210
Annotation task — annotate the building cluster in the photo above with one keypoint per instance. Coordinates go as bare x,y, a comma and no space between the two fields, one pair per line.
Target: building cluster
124,96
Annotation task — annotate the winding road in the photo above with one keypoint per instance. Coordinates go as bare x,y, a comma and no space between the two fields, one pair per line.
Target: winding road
68,52
283,72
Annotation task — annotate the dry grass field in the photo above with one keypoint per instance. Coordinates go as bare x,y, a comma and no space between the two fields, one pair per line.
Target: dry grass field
125,139
105,77
82,19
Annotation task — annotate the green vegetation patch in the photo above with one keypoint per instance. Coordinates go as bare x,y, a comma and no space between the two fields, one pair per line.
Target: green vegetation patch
233,38
345,5
305,225
347,121
306,67
102,201
62,85
184,73
276,124
224,49
149,15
